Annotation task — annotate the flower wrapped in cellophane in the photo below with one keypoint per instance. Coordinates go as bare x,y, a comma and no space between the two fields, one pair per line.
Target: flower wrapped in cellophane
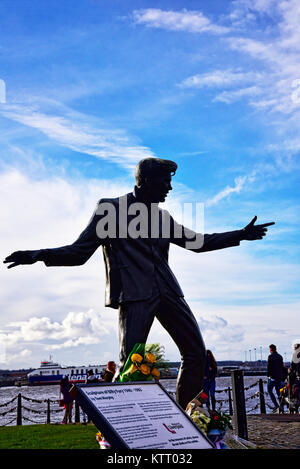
201,420
103,443
213,423
143,363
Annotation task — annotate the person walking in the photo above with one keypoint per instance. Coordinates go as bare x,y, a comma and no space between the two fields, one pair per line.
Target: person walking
275,375
209,386
65,387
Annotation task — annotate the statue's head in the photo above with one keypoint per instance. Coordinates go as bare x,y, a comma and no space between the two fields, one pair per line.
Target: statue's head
153,176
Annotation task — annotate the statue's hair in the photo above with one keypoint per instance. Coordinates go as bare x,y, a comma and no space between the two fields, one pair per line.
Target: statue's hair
152,167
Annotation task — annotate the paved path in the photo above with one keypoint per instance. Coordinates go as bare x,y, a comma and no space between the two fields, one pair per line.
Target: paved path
274,432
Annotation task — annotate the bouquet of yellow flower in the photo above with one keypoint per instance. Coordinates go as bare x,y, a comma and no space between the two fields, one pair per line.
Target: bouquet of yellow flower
142,364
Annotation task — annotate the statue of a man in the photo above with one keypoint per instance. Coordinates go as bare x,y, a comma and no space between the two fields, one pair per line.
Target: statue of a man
139,281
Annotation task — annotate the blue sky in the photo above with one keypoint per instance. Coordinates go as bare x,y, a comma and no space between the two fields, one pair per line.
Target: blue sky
94,86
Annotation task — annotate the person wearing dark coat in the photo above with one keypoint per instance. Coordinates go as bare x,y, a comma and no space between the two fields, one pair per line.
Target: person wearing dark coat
275,369
91,378
110,371
65,387
209,386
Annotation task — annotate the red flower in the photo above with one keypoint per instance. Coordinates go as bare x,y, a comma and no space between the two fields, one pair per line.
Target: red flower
203,396
216,417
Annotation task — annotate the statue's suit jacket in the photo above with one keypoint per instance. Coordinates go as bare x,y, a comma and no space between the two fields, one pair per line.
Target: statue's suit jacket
130,262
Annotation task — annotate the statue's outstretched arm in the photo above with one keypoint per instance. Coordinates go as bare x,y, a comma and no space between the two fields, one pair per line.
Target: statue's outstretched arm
198,242
76,253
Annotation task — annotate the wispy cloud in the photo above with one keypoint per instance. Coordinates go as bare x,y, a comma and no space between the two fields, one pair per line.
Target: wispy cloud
239,183
219,78
272,77
246,11
280,54
76,131
186,20
229,97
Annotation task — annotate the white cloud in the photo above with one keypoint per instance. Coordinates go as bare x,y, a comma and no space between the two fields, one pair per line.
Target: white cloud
247,11
22,356
217,330
270,81
239,183
185,20
279,54
77,132
219,78
80,328
229,97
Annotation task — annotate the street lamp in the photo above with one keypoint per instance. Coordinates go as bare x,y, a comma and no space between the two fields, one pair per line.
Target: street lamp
250,354
261,353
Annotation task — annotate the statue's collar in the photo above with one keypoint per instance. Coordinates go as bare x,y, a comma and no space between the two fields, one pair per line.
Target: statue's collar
139,197
136,193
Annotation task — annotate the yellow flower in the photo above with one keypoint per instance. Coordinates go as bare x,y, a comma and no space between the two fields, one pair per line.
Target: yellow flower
145,369
136,357
150,358
155,372
132,369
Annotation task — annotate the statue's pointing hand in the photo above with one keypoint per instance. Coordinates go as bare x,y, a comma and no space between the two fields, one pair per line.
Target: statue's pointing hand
252,232
21,257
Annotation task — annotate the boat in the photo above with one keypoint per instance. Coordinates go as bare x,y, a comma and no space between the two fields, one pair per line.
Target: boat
169,373
50,372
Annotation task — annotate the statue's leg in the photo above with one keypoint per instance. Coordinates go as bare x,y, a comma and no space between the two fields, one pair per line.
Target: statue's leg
135,321
177,318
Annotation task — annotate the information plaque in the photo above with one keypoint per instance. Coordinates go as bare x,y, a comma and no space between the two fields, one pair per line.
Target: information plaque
140,415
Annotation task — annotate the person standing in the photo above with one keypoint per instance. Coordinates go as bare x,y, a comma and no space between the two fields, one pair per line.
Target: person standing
91,378
295,362
275,375
110,371
209,386
65,387
295,369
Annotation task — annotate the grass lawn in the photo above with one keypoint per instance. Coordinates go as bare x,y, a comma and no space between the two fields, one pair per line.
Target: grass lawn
49,437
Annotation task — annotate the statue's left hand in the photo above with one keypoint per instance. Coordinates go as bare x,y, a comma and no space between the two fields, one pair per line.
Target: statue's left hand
252,232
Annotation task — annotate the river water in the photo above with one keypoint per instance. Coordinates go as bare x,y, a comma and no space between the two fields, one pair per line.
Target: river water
35,412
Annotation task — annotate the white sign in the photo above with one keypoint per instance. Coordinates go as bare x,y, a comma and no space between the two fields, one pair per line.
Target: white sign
145,416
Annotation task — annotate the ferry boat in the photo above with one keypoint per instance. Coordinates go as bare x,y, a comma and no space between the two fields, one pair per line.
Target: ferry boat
50,372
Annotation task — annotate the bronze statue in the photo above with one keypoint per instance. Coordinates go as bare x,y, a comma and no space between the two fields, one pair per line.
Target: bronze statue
139,281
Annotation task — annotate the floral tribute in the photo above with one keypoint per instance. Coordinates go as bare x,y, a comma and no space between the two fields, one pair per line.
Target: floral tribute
142,363
103,443
213,423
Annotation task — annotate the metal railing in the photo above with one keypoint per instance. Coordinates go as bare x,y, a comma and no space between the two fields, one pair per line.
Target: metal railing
29,412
